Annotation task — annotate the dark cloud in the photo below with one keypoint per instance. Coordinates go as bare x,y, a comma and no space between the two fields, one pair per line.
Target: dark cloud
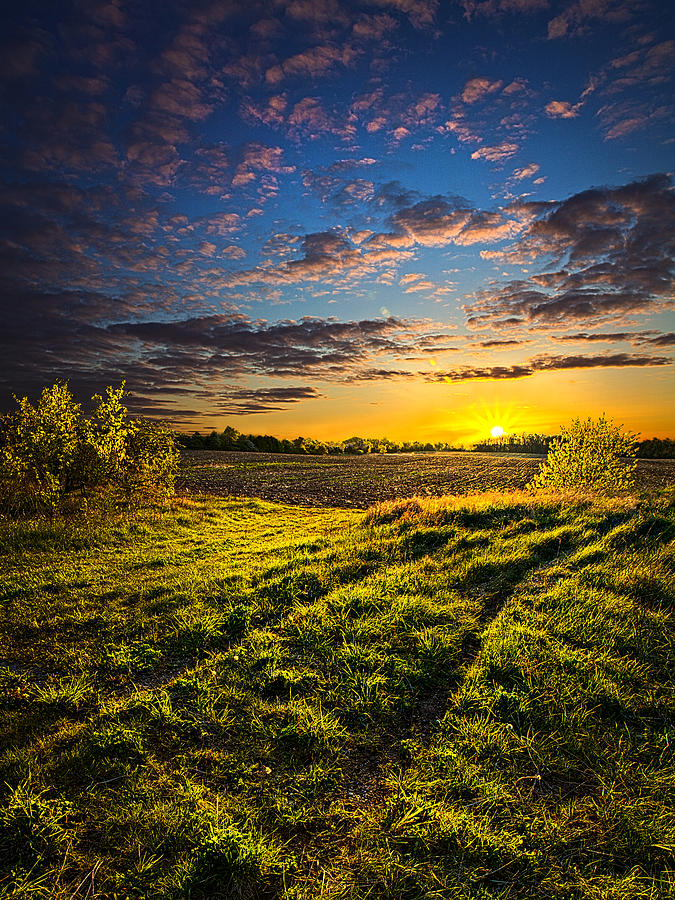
607,337
242,402
548,364
614,248
70,336
663,340
379,375
501,344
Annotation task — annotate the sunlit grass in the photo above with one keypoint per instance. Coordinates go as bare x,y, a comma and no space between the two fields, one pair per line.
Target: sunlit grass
444,697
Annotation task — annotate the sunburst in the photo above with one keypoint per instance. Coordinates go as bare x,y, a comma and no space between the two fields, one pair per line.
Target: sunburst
495,420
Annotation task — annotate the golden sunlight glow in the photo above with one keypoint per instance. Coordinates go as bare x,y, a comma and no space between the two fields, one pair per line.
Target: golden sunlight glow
493,412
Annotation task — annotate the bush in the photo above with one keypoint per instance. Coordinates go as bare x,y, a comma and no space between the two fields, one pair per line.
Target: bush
589,455
50,451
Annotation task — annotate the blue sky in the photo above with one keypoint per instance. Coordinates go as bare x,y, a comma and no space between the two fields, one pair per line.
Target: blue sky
328,217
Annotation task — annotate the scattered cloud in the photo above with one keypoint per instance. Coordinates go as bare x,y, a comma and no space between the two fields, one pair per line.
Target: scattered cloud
421,13
528,171
494,8
313,63
576,19
561,109
479,88
497,153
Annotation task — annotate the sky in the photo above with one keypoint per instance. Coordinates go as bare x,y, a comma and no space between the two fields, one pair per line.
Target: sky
396,218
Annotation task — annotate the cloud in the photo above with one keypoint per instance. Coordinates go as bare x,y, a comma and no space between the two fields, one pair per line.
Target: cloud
233,252
317,12
222,224
373,28
648,65
328,255
488,228
271,112
209,170
22,53
255,158
663,340
103,340
580,337
182,98
547,364
398,115
561,109
527,171
614,249
247,402
626,117
310,119
313,63
497,153
70,136
501,344
494,8
234,344
337,189
649,337
575,19
420,12
433,222
479,88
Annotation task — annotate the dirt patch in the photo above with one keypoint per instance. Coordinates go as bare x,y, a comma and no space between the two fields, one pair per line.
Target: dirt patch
361,481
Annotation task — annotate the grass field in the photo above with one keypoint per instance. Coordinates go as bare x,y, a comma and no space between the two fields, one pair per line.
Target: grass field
467,698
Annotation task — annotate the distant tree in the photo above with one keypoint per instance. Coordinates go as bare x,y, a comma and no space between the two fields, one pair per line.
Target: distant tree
229,438
515,443
357,445
192,441
589,455
212,441
656,448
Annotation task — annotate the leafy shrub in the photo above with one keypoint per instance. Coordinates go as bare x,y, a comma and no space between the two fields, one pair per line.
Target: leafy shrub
589,455
51,450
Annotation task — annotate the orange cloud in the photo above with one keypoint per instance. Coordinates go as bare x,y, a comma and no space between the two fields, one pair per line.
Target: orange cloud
496,153
561,109
478,88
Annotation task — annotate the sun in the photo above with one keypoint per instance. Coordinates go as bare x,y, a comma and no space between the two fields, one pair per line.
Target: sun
497,431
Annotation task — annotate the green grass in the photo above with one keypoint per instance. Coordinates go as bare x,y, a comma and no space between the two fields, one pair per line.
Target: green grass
467,698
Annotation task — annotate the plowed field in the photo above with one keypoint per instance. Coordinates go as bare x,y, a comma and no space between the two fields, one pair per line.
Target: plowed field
361,481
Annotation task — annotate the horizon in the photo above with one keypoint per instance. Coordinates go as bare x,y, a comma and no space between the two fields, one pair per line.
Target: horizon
205,432
401,217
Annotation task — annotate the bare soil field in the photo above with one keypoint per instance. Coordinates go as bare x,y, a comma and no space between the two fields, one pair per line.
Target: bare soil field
361,481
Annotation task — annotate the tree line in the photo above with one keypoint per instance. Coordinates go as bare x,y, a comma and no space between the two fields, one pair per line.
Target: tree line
653,448
231,439
515,443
